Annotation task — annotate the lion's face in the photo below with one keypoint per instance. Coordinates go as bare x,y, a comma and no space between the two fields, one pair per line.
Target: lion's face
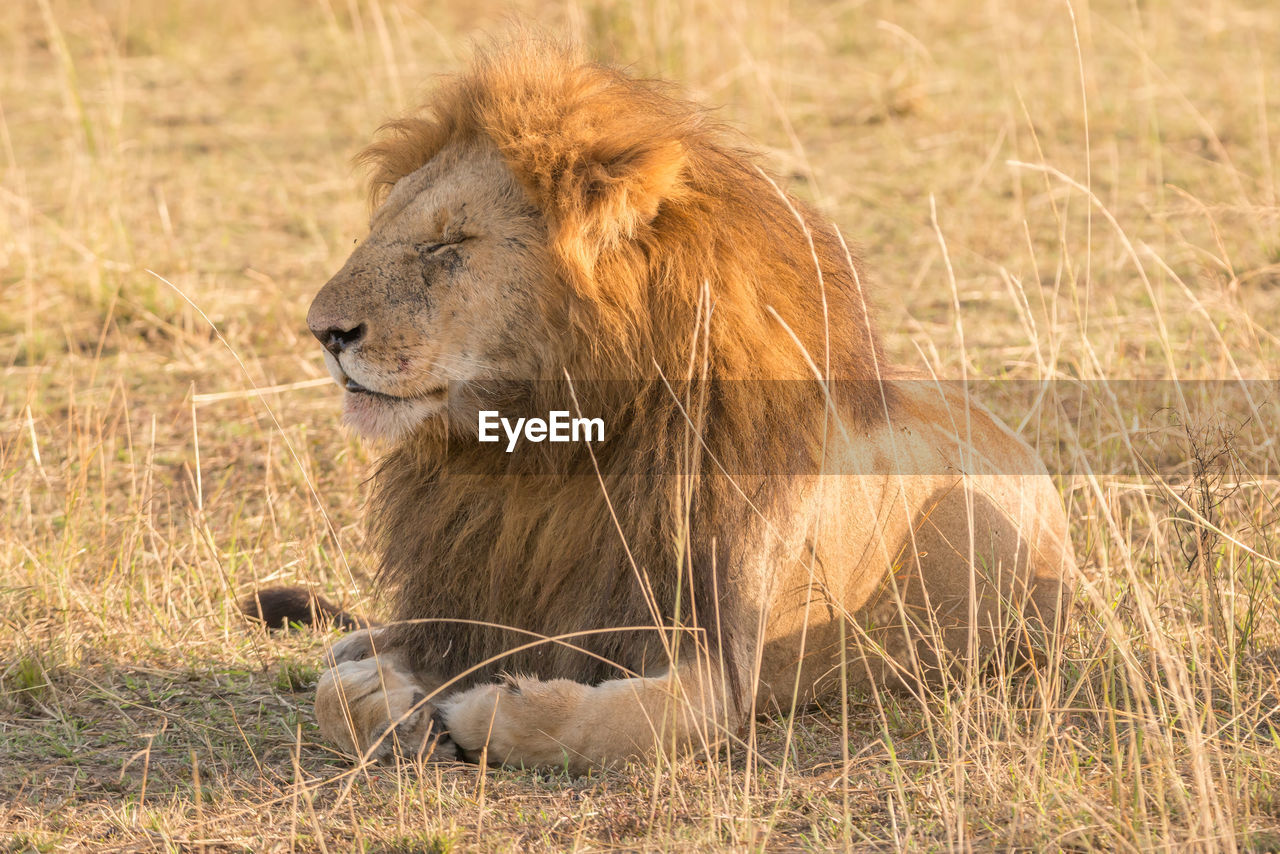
452,286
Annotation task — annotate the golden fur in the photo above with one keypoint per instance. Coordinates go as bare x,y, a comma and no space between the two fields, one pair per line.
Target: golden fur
549,219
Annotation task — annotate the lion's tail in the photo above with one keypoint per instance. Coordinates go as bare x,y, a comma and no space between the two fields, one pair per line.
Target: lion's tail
284,607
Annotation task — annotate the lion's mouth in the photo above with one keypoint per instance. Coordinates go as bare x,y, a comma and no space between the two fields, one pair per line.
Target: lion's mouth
355,387
429,394
340,376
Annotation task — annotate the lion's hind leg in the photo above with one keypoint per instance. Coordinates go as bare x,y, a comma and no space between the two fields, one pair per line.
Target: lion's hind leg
564,724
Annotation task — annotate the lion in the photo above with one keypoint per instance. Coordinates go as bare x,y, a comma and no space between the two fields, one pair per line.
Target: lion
775,511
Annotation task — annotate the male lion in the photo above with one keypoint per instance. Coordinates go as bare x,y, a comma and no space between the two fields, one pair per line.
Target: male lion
772,511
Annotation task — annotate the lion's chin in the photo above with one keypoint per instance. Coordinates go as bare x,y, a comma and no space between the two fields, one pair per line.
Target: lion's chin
387,419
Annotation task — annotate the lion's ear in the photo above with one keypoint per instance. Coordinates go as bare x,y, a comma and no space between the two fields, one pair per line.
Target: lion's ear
611,193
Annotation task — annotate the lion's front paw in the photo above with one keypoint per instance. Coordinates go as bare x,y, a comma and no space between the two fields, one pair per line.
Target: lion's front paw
374,709
517,722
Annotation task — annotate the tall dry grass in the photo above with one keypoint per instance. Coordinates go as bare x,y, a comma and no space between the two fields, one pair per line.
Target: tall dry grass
1076,192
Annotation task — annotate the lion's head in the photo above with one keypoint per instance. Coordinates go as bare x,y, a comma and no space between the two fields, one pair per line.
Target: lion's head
545,216
453,284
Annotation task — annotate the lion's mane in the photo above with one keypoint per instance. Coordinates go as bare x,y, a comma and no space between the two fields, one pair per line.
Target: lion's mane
657,221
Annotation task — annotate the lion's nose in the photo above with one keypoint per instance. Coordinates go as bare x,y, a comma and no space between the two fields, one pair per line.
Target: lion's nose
337,338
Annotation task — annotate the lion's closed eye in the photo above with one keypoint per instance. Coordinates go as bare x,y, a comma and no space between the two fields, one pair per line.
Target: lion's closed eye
433,247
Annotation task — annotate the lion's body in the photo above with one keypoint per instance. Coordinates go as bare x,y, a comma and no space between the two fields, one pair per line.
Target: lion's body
556,221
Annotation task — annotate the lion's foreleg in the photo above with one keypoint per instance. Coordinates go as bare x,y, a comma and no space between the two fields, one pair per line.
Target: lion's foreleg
564,724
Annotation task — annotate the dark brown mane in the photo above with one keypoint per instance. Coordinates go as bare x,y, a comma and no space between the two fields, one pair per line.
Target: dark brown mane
671,241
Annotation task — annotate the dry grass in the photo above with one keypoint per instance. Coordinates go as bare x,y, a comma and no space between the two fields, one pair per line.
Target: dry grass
143,487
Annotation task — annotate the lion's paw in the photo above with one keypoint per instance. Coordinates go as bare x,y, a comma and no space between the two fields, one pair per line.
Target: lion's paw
517,722
371,708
